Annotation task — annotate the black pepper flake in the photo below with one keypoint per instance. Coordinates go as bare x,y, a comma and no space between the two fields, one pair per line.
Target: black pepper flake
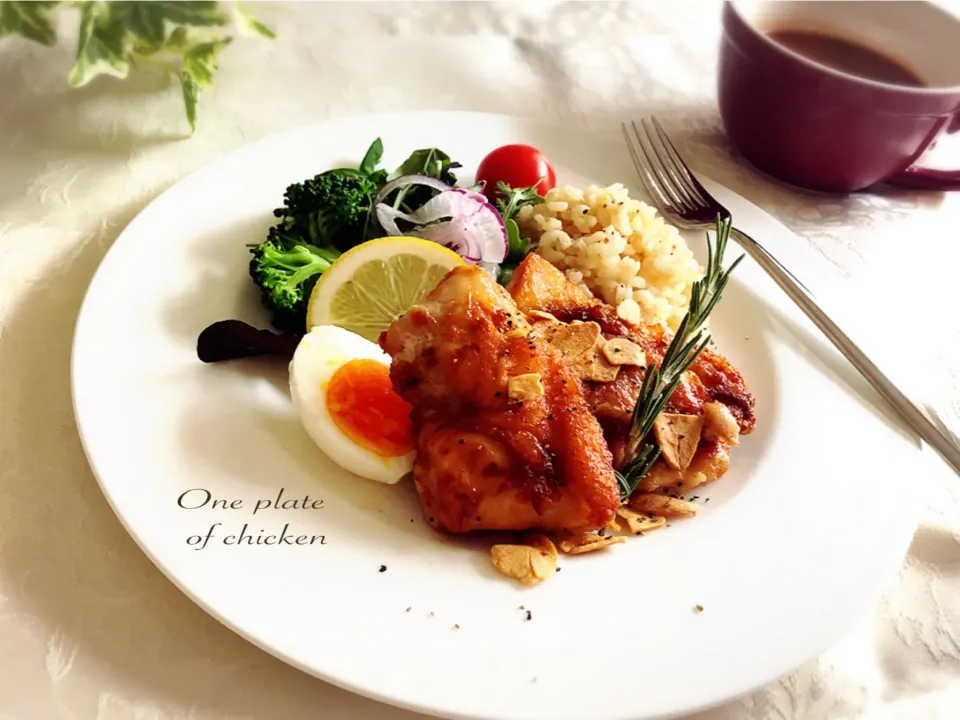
408,609
430,614
586,210
497,393
430,519
478,518
665,490
680,484
521,608
698,608
550,416
461,441
411,519
529,615
563,382
520,404
707,500
383,568
456,626
559,568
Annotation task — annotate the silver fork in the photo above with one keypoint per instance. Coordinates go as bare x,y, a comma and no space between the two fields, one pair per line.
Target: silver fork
686,203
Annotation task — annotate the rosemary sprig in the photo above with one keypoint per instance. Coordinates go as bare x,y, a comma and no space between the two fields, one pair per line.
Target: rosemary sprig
688,342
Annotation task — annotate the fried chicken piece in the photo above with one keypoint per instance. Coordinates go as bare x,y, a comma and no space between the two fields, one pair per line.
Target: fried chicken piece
484,460
537,285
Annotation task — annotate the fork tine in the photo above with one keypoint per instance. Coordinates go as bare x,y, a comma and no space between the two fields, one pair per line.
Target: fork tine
679,182
693,186
646,173
667,186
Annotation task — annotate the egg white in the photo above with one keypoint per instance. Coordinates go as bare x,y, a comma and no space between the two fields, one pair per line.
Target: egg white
321,352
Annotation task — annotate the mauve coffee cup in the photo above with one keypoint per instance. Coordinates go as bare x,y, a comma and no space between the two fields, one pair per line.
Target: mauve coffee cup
819,128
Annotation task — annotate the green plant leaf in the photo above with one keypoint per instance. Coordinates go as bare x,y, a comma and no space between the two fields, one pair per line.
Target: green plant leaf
189,99
200,62
427,161
370,161
32,20
143,18
101,47
249,25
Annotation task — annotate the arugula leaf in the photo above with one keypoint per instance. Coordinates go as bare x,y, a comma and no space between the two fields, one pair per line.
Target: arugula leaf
249,25
370,161
510,200
32,20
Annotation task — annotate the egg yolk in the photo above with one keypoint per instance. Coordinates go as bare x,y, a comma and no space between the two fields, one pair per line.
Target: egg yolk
361,400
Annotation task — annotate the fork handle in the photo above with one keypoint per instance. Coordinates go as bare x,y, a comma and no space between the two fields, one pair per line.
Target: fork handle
939,438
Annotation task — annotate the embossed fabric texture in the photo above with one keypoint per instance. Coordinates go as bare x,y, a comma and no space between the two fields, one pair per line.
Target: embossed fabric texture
90,629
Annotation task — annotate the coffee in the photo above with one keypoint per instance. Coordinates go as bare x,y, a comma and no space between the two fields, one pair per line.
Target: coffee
846,56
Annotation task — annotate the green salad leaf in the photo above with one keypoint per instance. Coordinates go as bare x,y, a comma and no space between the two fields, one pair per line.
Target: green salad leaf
508,203
323,217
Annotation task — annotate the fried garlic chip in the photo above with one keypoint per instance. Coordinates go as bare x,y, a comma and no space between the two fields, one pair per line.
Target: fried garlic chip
640,523
576,543
620,351
678,437
576,339
525,387
720,424
663,505
530,563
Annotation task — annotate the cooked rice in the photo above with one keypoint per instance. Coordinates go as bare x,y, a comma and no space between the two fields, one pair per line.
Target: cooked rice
618,248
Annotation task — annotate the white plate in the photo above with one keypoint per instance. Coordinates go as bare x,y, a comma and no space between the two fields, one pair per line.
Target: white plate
797,538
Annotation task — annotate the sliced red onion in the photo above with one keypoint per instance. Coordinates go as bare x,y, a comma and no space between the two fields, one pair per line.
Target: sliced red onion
491,269
454,235
405,180
470,225
387,217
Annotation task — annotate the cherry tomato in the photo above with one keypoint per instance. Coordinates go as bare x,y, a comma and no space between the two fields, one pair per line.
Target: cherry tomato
517,166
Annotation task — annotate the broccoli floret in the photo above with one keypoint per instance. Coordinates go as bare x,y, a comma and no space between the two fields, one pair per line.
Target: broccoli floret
331,209
285,269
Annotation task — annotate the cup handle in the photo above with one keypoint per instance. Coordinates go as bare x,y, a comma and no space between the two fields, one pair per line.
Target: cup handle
928,178
923,178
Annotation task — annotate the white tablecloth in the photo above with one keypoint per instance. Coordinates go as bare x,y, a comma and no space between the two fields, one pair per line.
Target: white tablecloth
90,629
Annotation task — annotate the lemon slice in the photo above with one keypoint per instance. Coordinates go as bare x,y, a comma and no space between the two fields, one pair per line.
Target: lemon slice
373,284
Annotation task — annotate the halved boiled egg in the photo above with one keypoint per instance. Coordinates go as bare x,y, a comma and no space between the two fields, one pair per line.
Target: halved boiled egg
340,385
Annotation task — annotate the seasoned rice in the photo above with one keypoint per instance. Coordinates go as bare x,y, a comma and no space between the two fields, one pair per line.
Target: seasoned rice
618,248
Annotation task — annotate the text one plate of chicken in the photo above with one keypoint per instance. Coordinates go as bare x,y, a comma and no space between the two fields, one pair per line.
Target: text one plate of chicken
437,407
